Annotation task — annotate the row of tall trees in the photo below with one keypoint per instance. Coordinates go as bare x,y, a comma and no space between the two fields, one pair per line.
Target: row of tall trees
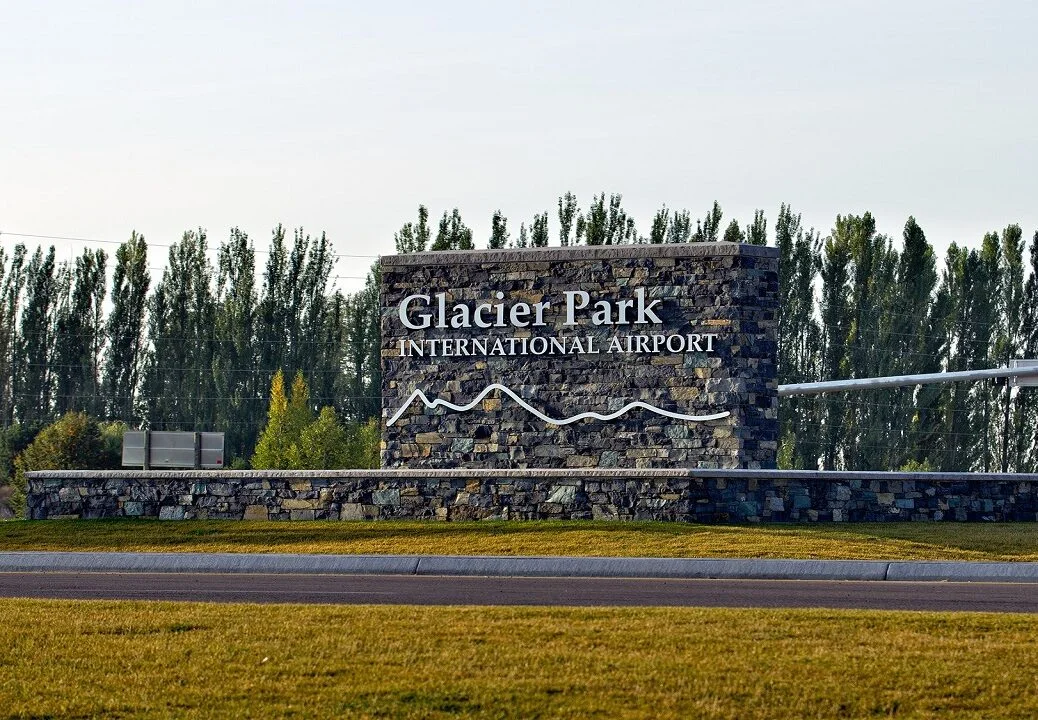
198,346
858,304
603,222
195,350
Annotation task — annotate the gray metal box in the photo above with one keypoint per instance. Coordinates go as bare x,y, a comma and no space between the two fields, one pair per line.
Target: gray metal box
172,449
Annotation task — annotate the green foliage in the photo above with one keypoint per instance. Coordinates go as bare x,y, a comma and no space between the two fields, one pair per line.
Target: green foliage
413,237
660,221
78,336
178,376
757,231
539,232
453,234
125,327
680,228
917,466
112,441
322,445
298,414
34,387
708,228
498,231
294,440
787,452
272,450
365,443
733,233
606,224
199,352
75,442
567,215
523,240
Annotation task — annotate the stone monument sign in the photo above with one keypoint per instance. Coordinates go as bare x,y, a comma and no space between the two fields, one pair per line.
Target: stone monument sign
632,356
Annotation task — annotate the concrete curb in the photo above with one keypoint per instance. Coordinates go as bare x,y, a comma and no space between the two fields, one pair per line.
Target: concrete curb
591,567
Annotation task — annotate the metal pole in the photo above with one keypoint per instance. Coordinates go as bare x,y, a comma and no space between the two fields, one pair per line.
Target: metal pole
818,388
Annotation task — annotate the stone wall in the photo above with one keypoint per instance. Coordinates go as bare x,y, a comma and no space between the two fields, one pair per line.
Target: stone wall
709,496
722,293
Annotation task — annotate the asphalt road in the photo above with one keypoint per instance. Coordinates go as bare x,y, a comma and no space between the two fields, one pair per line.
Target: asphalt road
431,590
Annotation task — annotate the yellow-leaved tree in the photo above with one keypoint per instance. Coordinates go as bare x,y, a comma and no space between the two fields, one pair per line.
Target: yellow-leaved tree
294,440
272,449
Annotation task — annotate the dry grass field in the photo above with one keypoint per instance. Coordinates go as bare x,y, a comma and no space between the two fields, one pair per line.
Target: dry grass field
119,659
879,541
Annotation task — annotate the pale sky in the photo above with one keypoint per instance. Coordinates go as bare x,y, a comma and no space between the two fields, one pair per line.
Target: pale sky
343,117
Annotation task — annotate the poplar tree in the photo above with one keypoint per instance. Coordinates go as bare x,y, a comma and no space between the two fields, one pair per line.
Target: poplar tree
836,319
362,360
707,230
178,380
453,234
1026,446
292,327
799,336
125,328
985,269
660,221
733,233
1008,340
757,231
414,237
12,282
606,224
79,328
33,392
914,423
539,233
680,229
567,216
498,231
523,240
234,363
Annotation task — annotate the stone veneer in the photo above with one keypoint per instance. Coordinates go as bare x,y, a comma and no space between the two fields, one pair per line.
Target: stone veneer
723,288
684,495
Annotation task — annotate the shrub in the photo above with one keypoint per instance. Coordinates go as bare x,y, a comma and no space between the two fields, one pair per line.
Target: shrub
322,445
74,442
365,445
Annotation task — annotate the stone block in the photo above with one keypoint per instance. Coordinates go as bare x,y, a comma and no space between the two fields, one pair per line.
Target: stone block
255,512
386,497
564,494
171,512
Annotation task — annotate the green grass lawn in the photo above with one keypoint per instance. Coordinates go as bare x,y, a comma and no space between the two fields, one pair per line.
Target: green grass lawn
118,659
886,541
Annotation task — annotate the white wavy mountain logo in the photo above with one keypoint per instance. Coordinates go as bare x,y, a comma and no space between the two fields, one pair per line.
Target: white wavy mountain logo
433,404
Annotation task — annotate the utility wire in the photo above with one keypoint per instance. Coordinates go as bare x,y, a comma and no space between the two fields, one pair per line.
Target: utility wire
147,242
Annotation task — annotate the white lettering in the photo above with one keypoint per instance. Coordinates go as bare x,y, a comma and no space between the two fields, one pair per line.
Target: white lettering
426,318
603,314
646,310
519,311
573,297
539,309
477,316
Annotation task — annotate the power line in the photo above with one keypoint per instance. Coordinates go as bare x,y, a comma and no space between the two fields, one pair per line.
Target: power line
148,243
